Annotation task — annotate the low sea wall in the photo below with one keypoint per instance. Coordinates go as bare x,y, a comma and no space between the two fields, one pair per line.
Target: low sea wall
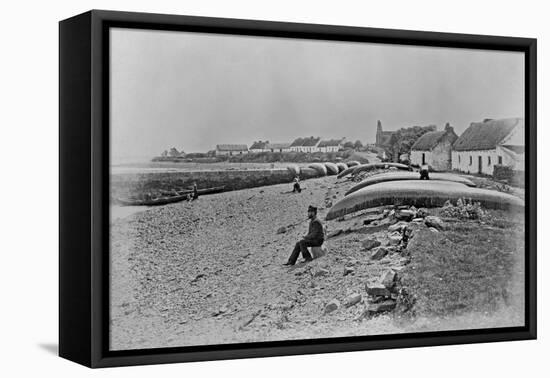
131,184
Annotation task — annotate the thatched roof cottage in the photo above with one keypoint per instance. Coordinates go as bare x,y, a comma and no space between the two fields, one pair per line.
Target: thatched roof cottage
434,148
491,142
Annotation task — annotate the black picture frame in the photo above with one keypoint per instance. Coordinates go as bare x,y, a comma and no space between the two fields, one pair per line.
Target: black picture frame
84,187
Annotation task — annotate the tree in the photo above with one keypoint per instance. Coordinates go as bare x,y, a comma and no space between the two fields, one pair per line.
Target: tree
173,152
406,137
358,144
348,144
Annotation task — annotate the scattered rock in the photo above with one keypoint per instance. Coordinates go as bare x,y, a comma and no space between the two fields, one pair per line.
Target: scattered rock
369,244
371,218
376,308
394,239
321,272
281,230
334,233
332,306
377,290
348,270
418,220
387,279
397,227
378,253
435,222
405,214
353,299
432,229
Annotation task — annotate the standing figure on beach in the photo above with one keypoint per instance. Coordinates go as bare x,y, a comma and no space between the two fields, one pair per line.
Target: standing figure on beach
297,187
314,238
424,172
195,191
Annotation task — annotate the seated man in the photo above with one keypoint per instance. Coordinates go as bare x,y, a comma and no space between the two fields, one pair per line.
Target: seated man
297,187
314,238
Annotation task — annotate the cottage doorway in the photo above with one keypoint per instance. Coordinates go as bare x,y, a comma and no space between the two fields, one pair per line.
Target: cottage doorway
479,164
423,158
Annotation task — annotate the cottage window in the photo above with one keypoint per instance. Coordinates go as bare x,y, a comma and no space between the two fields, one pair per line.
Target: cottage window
500,160
458,158
471,160
488,160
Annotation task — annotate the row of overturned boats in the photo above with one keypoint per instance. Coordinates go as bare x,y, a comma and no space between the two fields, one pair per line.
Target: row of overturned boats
397,184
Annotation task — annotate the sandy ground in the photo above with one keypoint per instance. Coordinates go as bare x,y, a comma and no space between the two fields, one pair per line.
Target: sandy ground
210,272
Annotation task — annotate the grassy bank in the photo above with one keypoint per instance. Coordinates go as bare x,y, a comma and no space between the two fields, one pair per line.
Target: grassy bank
468,267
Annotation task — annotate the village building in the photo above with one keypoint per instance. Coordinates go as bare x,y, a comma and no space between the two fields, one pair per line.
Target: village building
305,144
258,146
277,147
385,143
332,145
434,148
491,142
231,149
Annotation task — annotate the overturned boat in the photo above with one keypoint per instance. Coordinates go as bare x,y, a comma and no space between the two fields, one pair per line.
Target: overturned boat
341,167
320,168
332,169
164,200
369,167
401,176
421,193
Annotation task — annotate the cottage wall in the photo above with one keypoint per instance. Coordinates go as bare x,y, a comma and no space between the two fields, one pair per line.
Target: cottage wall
516,162
416,157
438,158
461,161
441,155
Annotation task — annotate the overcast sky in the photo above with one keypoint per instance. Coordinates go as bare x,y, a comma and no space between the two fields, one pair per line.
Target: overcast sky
193,91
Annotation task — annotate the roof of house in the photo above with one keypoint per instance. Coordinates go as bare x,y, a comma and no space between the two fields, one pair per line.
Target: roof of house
306,142
231,147
485,135
430,139
258,145
277,145
330,143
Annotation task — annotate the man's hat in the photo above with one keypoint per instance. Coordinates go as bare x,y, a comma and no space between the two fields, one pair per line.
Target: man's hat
312,208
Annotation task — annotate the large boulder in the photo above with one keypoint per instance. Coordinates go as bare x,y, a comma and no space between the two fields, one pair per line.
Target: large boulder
435,222
378,253
331,306
369,244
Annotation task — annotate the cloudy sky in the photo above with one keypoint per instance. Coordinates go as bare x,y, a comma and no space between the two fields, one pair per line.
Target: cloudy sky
193,91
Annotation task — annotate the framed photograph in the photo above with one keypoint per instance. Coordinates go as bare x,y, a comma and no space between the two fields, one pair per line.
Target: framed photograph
234,188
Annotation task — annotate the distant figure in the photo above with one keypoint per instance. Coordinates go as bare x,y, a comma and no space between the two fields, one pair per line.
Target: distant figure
189,197
314,238
297,187
195,191
424,172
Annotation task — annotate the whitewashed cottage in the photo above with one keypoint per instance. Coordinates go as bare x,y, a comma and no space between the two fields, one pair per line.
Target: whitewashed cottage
305,144
435,149
332,145
486,144
231,149
277,147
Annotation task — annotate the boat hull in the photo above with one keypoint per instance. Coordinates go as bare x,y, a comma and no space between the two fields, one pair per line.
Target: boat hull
420,193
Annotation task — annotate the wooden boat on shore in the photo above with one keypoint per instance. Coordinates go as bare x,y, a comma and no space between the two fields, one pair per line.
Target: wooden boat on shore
402,176
164,200
421,193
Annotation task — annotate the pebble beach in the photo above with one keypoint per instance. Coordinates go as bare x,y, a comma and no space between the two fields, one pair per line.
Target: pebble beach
210,272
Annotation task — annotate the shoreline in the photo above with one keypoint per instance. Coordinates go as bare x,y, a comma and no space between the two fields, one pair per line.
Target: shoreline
164,293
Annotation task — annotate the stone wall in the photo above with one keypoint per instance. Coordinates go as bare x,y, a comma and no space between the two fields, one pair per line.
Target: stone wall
126,184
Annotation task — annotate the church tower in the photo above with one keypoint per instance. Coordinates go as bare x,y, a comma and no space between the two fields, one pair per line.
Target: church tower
379,133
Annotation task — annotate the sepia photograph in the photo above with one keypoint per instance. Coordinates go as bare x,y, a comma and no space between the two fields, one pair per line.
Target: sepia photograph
273,189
